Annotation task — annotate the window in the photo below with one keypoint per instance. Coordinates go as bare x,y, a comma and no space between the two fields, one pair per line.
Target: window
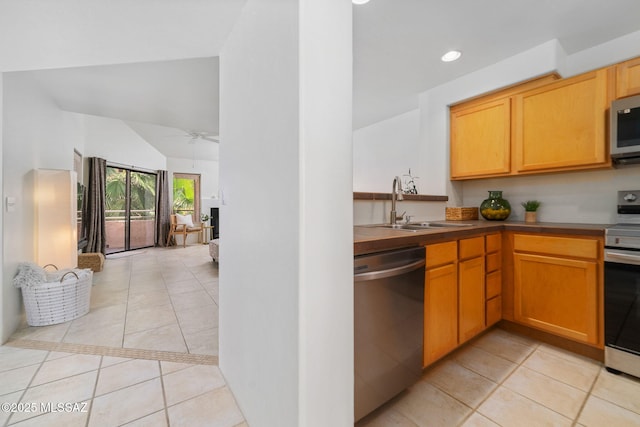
186,194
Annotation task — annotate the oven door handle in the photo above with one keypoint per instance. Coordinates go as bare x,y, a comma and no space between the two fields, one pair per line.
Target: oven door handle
626,258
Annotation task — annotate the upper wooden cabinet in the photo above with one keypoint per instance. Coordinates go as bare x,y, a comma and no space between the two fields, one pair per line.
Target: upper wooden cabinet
481,132
628,78
562,125
543,125
481,139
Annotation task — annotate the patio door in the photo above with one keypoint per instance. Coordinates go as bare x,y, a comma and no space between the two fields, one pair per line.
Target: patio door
130,209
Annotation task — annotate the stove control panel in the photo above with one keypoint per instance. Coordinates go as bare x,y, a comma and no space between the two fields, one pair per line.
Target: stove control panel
629,202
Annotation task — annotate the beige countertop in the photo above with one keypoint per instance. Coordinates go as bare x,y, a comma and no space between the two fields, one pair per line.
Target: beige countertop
368,238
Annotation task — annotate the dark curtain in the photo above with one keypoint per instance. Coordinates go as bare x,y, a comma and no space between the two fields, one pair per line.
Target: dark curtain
163,208
96,229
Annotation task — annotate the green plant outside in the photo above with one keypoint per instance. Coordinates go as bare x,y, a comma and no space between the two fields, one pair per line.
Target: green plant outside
183,195
143,193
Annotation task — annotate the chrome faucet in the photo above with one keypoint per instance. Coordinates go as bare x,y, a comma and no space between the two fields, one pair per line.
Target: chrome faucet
396,195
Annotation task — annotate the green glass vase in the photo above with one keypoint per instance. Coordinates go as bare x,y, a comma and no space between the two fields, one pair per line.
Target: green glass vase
495,208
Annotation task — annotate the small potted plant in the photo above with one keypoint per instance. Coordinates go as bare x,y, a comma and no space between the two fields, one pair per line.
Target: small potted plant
530,207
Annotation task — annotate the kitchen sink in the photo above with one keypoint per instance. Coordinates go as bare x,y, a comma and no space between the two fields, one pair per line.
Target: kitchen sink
415,226
420,225
401,227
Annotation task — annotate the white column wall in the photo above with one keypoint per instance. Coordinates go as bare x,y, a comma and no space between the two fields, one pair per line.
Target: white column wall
4,323
286,304
36,134
326,224
259,190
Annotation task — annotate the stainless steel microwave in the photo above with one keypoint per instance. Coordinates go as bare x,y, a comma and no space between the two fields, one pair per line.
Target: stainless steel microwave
625,130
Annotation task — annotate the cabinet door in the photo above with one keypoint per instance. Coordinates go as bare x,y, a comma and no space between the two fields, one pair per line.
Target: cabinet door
471,298
440,312
628,78
558,295
562,125
481,140
494,310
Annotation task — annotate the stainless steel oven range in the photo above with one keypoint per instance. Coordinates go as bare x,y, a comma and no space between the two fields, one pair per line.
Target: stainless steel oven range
622,287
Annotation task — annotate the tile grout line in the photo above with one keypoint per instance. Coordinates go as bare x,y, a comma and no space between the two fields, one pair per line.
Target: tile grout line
95,388
164,394
126,310
584,403
184,340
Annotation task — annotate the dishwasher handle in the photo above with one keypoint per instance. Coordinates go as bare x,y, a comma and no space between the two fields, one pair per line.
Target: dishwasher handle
391,272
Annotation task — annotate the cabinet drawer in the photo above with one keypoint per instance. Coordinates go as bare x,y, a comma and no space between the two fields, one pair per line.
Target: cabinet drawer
494,261
494,284
494,310
493,242
563,246
441,253
470,248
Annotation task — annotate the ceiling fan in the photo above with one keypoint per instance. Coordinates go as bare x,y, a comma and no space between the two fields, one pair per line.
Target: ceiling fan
201,136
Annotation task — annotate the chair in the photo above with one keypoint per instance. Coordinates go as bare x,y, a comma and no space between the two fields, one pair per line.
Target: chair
183,229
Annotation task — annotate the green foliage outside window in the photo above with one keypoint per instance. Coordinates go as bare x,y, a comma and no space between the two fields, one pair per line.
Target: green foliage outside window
143,193
183,195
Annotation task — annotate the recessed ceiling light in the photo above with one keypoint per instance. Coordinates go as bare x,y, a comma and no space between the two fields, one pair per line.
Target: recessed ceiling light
452,55
359,1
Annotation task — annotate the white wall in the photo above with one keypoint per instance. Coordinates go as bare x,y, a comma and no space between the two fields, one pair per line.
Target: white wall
286,331
36,134
384,150
114,141
6,294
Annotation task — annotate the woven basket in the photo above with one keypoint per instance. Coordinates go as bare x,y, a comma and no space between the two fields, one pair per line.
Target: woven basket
60,301
461,214
92,260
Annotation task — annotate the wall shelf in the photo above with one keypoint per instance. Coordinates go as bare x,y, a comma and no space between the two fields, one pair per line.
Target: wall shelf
406,197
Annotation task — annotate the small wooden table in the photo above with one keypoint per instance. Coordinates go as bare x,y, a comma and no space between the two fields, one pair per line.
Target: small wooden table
206,234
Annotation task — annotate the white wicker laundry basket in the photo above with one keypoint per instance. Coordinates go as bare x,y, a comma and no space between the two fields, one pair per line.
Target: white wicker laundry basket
58,301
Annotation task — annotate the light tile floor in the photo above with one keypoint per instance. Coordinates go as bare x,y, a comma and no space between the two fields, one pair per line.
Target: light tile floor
110,391
145,355
163,299
503,379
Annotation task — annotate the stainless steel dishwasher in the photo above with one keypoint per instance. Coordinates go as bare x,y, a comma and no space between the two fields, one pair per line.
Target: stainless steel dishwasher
388,322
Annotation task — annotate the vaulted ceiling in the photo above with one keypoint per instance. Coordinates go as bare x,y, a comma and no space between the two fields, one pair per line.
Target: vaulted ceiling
155,62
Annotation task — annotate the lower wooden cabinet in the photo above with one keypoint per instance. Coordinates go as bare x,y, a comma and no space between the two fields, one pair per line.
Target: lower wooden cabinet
557,285
440,312
456,306
471,298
